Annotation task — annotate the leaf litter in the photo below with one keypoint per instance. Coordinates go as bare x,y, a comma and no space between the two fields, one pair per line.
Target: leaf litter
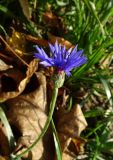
70,125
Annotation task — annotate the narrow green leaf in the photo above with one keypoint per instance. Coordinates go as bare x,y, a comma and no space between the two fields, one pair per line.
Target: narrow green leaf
107,14
61,3
91,6
6,11
94,113
107,146
107,88
9,132
4,31
57,142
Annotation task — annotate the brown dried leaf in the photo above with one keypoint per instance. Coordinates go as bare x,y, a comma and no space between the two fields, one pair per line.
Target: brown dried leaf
4,158
37,40
52,20
11,76
4,66
70,125
61,40
52,39
27,114
30,71
77,145
25,8
72,148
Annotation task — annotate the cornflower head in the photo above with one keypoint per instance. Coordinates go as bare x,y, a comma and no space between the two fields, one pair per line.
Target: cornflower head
63,60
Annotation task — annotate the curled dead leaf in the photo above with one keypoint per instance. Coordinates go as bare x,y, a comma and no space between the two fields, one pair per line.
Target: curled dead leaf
27,115
77,145
72,123
21,86
69,126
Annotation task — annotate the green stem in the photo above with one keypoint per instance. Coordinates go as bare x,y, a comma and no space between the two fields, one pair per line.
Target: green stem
52,106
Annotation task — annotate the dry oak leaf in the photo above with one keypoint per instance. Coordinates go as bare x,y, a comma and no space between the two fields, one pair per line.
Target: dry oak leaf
21,86
70,125
73,147
27,114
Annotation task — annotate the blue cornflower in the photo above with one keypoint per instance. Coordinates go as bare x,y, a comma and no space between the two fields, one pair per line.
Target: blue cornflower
62,59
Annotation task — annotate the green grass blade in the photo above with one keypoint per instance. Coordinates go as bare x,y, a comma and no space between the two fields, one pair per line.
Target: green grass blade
9,132
91,6
94,113
57,142
6,11
107,14
4,31
107,88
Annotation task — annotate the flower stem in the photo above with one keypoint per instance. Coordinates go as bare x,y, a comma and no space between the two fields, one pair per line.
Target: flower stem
52,106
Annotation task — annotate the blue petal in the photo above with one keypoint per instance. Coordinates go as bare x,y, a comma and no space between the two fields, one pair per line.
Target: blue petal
44,54
68,73
68,52
75,63
39,56
38,49
63,50
75,49
56,46
41,52
46,64
76,54
52,49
